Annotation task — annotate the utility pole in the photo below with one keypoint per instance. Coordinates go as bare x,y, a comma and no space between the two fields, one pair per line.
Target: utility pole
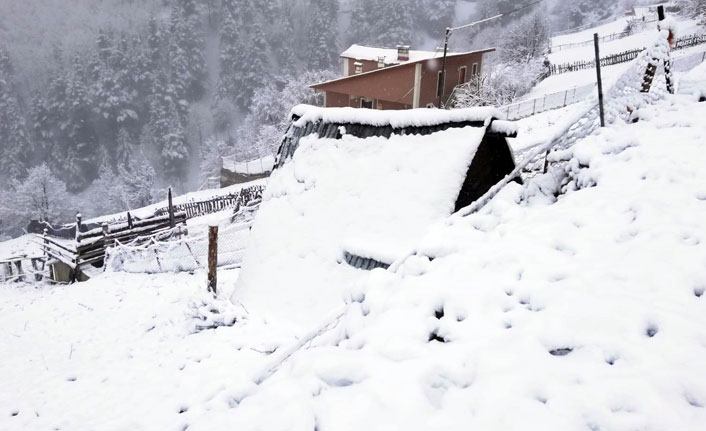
451,30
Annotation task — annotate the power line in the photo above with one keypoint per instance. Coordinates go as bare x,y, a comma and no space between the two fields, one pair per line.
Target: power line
450,30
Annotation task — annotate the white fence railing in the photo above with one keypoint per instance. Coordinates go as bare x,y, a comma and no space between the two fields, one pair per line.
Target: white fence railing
527,108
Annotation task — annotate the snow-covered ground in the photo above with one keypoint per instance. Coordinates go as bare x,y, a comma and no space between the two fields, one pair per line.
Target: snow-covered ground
635,41
582,313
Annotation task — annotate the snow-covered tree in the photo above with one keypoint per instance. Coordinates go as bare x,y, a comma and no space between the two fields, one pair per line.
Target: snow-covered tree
41,196
322,35
268,116
395,18
211,153
106,193
525,40
14,140
137,180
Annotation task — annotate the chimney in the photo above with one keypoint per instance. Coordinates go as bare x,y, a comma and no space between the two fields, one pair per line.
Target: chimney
402,52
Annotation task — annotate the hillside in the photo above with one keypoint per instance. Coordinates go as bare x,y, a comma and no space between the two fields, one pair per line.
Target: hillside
585,311
572,300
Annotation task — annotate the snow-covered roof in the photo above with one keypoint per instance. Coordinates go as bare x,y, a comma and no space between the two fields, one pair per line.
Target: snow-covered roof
393,64
361,52
373,197
395,118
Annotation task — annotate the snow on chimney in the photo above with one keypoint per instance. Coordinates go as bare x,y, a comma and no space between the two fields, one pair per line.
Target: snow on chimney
402,52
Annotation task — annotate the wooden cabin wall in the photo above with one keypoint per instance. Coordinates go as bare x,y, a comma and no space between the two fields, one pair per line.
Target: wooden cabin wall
492,162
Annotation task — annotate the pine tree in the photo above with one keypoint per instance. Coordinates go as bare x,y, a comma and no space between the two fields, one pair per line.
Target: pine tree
166,127
77,137
363,19
255,71
230,56
322,35
396,19
14,141
124,146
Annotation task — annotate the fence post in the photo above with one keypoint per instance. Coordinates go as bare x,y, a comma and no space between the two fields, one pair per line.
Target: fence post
129,221
212,259
171,209
20,272
600,81
46,241
78,227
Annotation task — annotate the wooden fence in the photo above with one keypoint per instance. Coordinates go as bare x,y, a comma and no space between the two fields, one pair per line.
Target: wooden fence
623,57
90,245
233,200
20,267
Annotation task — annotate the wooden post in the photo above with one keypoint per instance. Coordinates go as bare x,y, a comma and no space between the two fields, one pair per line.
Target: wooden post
212,258
20,272
78,227
171,209
129,221
46,241
600,81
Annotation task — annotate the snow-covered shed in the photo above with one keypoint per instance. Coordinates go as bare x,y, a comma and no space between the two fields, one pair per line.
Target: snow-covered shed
362,186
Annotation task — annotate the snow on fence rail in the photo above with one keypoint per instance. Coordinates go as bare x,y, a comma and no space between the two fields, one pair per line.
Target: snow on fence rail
233,200
18,268
583,27
527,108
623,57
186,254
608,38
250,167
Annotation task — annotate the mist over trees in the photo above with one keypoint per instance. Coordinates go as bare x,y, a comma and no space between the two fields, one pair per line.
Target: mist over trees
146,95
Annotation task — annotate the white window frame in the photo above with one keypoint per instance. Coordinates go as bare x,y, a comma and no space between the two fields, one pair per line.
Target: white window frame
475,70
465,74
357,68
363,99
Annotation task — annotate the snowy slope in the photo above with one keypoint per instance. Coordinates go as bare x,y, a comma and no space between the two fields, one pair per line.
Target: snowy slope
586,313
613,271
635,41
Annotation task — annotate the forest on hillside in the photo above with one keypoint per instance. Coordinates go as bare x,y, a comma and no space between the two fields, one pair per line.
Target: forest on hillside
105,103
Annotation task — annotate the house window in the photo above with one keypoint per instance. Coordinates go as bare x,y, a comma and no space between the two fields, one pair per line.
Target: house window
474,70
439,84
462,74
366,103
381,61
358,67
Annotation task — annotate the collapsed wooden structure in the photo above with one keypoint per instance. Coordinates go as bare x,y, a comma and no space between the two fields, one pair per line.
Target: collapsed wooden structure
491,162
